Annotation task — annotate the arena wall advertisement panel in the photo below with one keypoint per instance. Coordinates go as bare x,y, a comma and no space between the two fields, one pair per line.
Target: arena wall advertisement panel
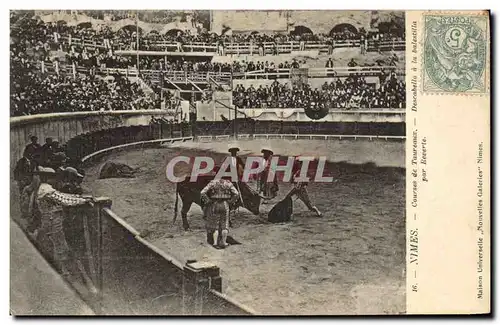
394,106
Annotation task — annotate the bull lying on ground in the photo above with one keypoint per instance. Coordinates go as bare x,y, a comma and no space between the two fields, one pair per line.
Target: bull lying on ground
189,192
116,170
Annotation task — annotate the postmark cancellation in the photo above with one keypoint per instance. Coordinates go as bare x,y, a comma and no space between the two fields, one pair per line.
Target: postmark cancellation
455,57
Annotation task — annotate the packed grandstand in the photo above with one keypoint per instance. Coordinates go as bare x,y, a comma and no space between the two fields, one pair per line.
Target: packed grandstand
58,66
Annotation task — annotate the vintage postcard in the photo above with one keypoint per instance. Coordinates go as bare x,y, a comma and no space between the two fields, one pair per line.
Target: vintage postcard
249,162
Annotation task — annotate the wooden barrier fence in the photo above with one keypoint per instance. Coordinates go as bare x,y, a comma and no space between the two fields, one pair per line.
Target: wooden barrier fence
156,283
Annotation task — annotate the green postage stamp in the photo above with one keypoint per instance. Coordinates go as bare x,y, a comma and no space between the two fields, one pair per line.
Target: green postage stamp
455,54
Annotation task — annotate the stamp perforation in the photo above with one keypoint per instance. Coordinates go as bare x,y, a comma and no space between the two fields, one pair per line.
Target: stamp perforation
485,75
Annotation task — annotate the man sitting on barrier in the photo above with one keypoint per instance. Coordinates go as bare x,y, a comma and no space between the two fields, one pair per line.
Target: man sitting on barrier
217,197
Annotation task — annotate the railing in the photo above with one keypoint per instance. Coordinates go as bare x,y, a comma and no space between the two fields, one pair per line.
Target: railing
268,47
247,47
200,76
225,77
82,42
70,69
336,110
320,72
210,138
178,76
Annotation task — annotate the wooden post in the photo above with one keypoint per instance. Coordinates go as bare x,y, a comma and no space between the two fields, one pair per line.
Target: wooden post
99,204
56,65
88,252
192,298
235,122
198,279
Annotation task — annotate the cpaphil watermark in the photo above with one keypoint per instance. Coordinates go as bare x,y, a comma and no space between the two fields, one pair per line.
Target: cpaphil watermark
296,169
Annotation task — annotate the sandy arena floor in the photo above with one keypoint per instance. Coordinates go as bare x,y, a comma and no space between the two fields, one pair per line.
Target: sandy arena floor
350,261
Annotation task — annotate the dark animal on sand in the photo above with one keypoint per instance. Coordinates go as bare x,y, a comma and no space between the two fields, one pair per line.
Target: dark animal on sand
116,170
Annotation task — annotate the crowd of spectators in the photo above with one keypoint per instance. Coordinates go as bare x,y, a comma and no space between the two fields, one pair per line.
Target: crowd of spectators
256,38
99,58
125,38
154,41
156,63
352,93
34,92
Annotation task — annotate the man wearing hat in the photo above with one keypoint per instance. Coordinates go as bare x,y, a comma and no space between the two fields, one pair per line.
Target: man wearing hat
268,189
50,203
27,203
32,148
46,152
57,160
237,162
23,172
69,180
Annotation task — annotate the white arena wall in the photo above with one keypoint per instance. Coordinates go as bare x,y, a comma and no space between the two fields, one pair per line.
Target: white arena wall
212,112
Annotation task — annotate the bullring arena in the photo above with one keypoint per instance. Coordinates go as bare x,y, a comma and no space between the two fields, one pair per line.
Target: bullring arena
126,255
349,261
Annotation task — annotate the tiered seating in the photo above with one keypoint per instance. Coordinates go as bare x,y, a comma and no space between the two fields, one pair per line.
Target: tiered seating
352,93
56,67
